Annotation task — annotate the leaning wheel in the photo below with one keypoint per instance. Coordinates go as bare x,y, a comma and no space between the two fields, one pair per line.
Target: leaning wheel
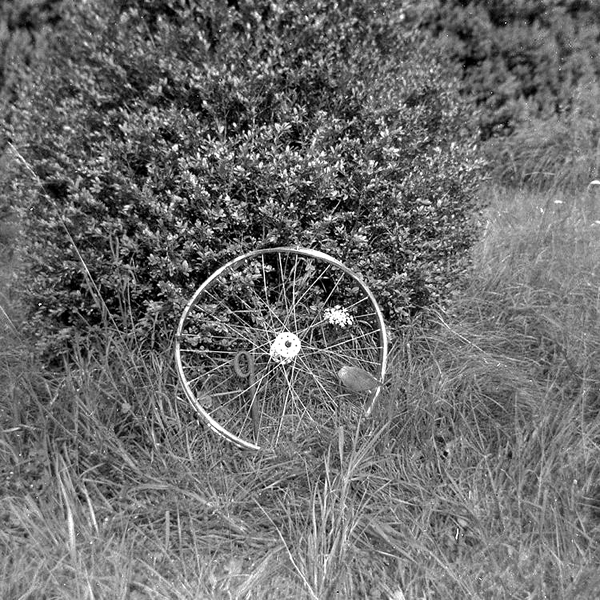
280,342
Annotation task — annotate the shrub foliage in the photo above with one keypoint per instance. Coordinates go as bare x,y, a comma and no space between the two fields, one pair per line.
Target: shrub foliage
519,59
167,137
24,25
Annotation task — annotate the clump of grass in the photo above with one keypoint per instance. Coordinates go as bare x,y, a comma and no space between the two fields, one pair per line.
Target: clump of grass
476,477
557,153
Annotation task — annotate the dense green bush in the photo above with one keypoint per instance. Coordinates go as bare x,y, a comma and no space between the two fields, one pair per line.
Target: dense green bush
167,137
24,25
518,59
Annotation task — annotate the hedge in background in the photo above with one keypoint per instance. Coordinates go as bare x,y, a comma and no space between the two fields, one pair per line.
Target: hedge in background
167,137
531,68
518,59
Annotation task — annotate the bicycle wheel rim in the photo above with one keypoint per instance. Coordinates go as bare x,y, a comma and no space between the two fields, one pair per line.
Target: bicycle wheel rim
299,369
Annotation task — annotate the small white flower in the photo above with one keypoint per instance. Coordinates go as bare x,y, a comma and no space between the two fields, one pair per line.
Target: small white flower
338,316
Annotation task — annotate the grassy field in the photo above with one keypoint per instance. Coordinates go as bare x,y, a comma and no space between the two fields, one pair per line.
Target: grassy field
476,478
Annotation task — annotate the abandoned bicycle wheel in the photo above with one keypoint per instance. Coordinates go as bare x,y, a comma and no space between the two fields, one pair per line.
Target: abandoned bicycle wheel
276,343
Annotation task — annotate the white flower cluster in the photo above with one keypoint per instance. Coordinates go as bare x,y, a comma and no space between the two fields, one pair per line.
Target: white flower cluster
338,316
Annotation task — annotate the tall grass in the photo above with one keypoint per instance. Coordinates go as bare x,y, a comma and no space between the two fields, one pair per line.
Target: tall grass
476,477
561,152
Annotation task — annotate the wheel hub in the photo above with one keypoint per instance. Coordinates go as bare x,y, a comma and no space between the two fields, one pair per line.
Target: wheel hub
285,347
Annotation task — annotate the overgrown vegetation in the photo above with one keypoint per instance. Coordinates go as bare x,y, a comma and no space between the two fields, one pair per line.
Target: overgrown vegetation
23,29
531,68
519,59
477,476
170,140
